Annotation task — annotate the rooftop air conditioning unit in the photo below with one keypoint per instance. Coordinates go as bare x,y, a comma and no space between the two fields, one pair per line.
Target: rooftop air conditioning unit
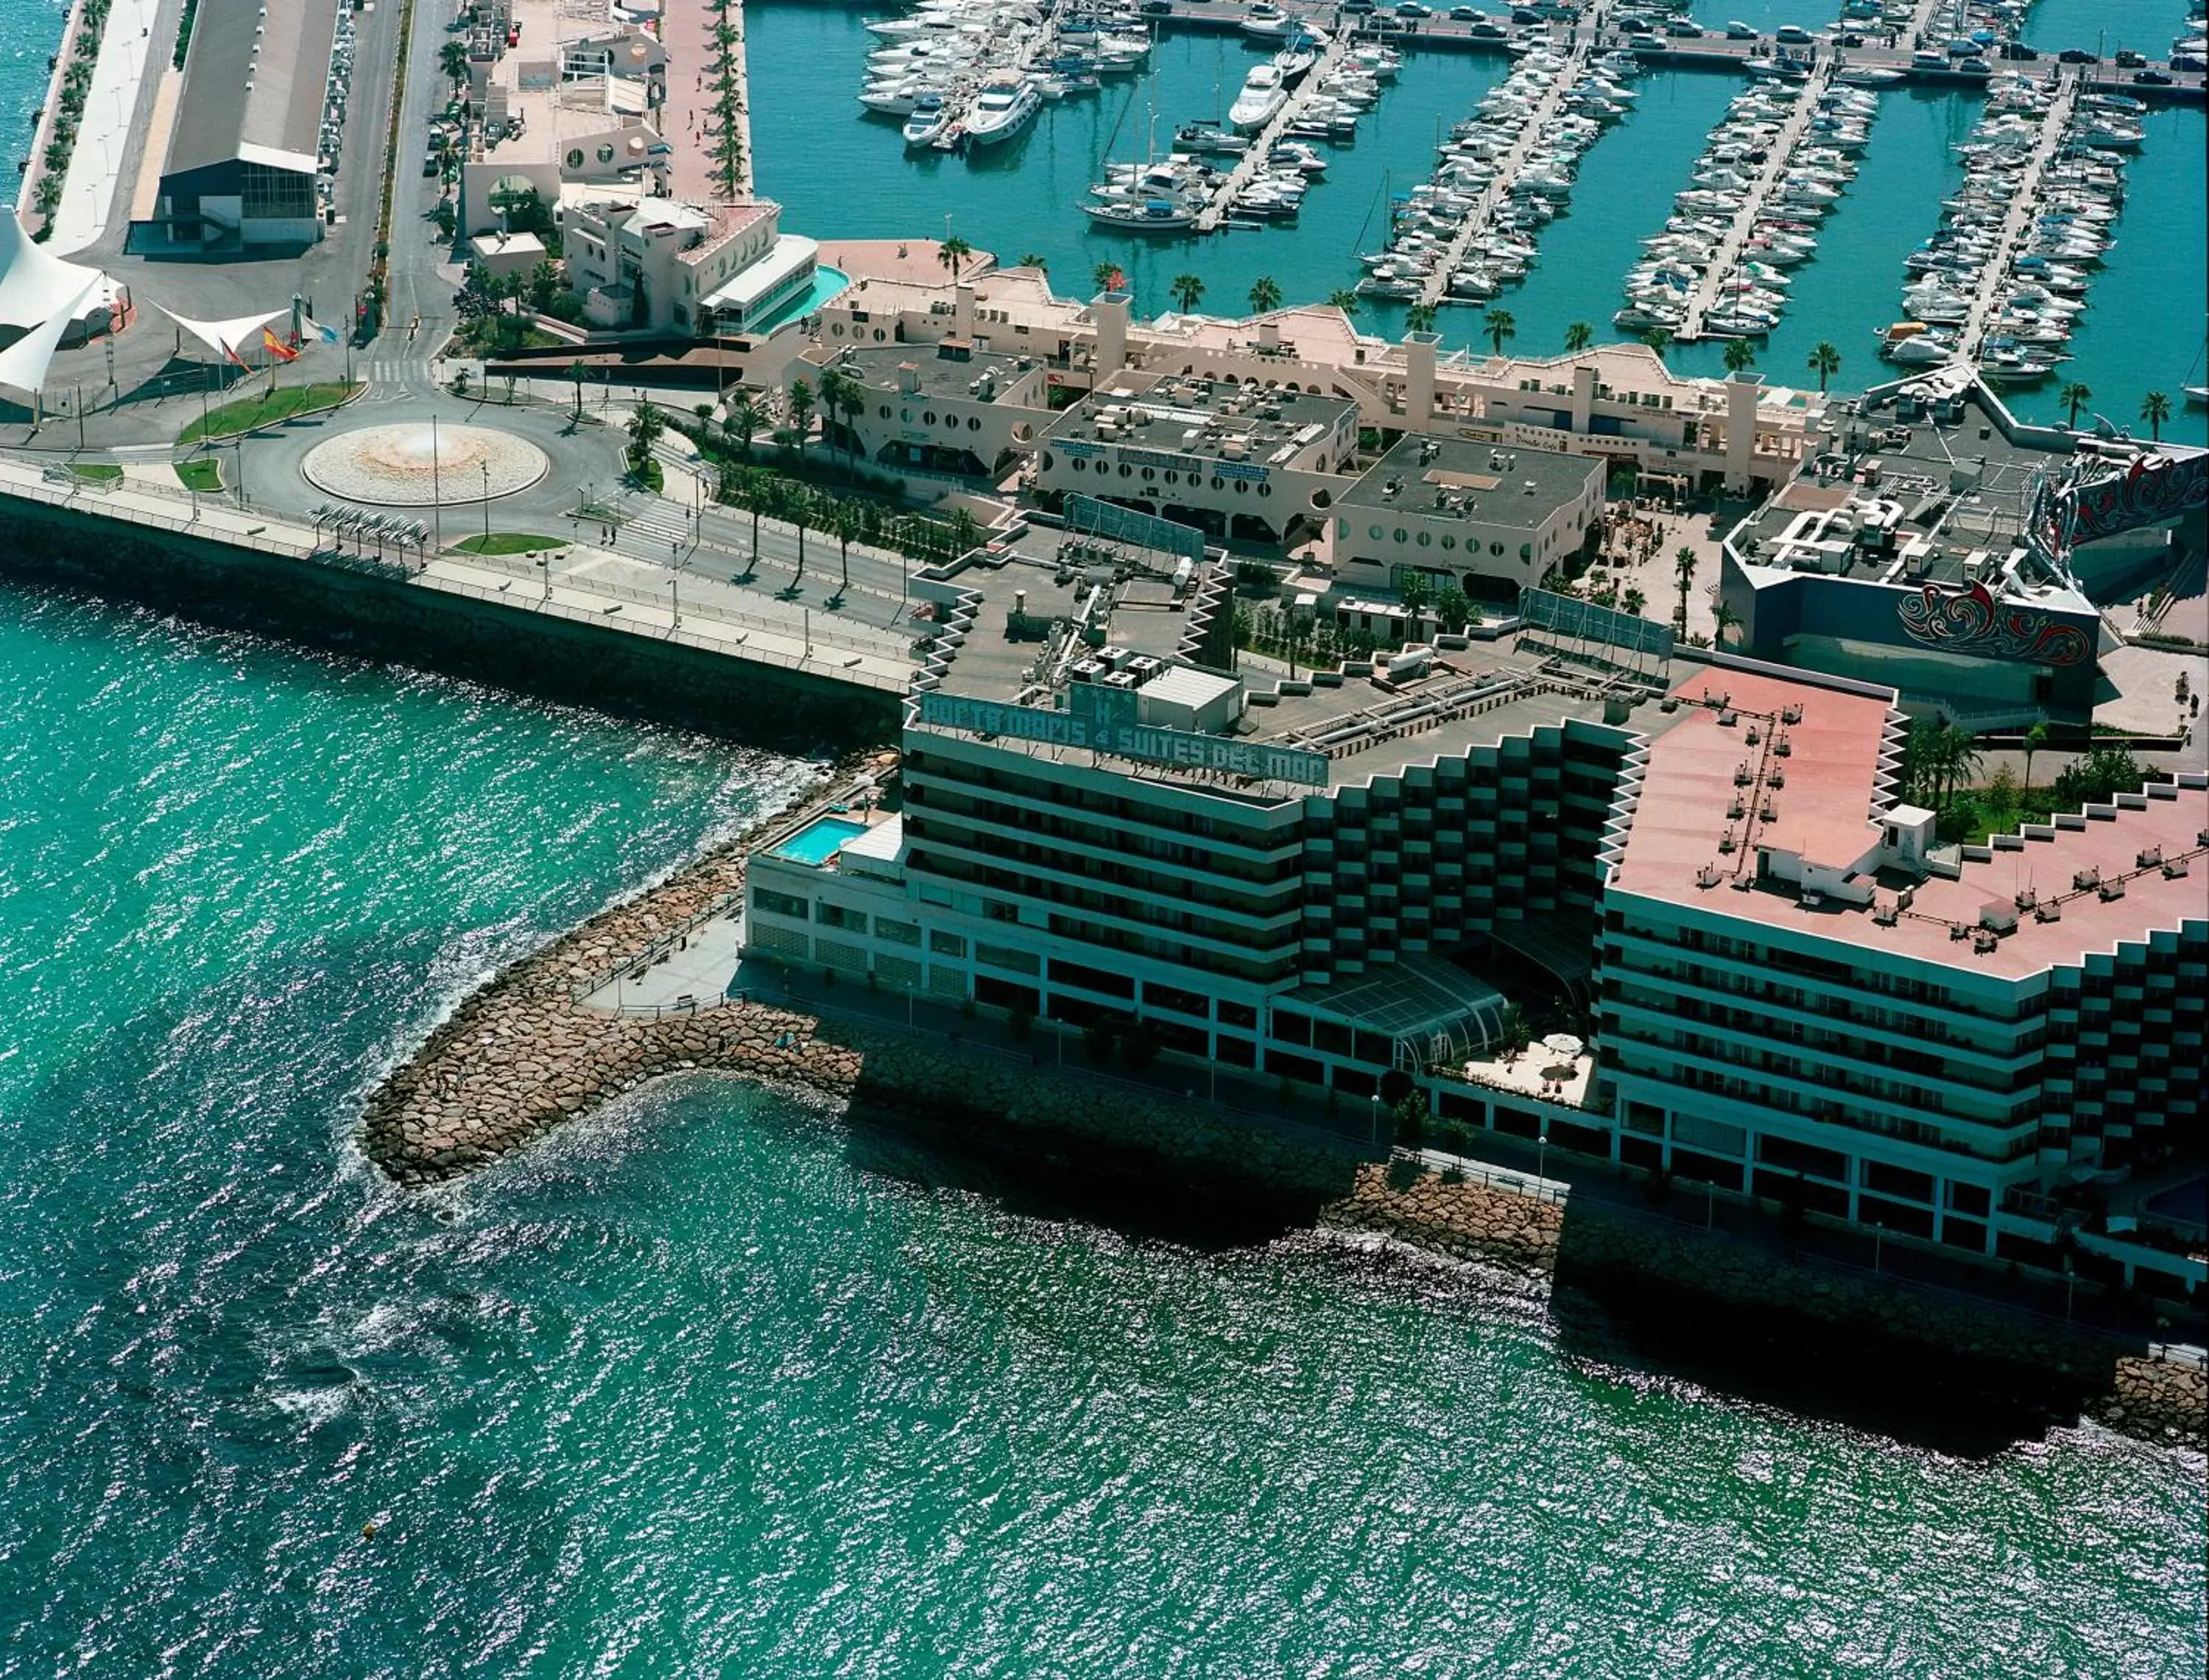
1884,914
2048,912
2150,859
2085,878
2175,870
2112,890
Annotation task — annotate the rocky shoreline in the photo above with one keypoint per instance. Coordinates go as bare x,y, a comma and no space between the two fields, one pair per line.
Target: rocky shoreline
521,1056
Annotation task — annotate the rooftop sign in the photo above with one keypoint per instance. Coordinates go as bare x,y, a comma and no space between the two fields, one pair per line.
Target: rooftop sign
1106,720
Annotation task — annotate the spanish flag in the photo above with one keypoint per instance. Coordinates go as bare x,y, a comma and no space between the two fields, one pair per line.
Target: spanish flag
276,346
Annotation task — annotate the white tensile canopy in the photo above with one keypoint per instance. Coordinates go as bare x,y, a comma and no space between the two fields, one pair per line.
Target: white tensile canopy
23,364
40,297
229,340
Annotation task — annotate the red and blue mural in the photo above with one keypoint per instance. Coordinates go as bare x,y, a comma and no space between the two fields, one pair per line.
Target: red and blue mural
1972,621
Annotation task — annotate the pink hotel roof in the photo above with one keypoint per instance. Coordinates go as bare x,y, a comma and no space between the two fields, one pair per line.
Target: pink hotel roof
1824,812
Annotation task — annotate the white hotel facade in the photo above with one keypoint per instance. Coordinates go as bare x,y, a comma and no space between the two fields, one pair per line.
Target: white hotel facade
1792,993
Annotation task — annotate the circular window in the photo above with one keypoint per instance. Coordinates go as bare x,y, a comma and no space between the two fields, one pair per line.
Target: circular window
1172,476
1399,534
1426,540
1218,482
606,152
1376,533
973,423
1051,460
1496,548
836,329
905,416
1241,486
927,417
1449,542
885,410
1126,471
878,336
574,157
1148,475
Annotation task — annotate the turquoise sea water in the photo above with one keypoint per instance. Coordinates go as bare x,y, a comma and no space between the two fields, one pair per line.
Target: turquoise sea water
842,172
716,1384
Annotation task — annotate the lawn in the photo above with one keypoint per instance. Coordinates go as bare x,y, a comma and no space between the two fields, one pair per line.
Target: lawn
203,476
96,471
286,402
509,542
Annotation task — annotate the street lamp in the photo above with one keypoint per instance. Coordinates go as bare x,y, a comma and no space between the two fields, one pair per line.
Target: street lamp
485,465
1374,1141
1541,1152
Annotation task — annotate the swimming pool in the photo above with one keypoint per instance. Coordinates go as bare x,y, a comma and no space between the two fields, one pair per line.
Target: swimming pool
827,283
819,840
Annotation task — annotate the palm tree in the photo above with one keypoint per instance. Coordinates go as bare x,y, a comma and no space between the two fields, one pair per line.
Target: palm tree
2074,396
1035,260
644,426
453,59
1723,618
745,422
1578,337
840,394
2155,409
577,370
1106,277
1264,295
1739,356
953,252
1683,568
1346,300
1658,339
2035,738
1825,362
801,411
965,533
795,502
1188,292
848,521
1419,318
1499,327
1960,758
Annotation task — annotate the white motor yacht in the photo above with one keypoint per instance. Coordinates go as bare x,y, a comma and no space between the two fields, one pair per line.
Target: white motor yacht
1003,111
1264,93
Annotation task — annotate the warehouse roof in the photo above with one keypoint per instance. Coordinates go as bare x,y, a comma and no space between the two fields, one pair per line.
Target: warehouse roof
254,84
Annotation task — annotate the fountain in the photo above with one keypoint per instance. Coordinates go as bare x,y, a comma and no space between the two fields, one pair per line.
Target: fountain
411,466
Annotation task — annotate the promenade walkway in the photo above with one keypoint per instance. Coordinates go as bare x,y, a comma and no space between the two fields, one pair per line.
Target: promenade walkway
1779,157
687,32
580,583
98,166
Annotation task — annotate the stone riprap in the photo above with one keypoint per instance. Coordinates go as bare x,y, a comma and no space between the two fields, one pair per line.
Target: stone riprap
1470,1220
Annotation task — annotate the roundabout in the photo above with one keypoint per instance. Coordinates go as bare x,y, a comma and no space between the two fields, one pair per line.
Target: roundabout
415,465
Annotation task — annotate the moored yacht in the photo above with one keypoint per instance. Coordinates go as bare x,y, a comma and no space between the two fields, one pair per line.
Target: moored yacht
1003,109
1264,93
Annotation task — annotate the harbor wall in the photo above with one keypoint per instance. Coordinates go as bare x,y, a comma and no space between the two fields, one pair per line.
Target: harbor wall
373,612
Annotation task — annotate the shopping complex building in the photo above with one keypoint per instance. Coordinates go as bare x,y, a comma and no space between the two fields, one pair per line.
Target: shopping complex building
258,121
1938,544
1774,981
1618,403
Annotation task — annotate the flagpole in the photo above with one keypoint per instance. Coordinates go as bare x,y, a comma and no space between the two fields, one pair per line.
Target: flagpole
437,489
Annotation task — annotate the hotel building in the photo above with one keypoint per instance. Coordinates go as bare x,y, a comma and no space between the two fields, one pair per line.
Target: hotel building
1349,882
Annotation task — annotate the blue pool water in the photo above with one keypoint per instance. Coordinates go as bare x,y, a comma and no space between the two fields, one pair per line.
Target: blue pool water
827,283
820,839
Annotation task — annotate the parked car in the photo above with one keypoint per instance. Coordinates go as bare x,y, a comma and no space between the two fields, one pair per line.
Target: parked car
1681,29
2151,78
2076,55
1357,6
1413,9
1158,8
2017,52
1461,13
1852,41
2126,59
1794,34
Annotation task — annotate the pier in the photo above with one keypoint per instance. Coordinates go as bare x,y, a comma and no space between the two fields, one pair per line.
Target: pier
1726,260
1261,146
2055,125
1435,287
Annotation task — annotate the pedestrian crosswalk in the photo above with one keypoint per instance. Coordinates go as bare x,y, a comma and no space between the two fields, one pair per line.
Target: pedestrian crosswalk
393,375
656,528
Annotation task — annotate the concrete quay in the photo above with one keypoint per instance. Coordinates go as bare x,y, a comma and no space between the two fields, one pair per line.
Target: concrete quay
1261,144
2024,205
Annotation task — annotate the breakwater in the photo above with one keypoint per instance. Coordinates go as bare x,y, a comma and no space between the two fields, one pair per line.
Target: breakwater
523,1054
351,605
